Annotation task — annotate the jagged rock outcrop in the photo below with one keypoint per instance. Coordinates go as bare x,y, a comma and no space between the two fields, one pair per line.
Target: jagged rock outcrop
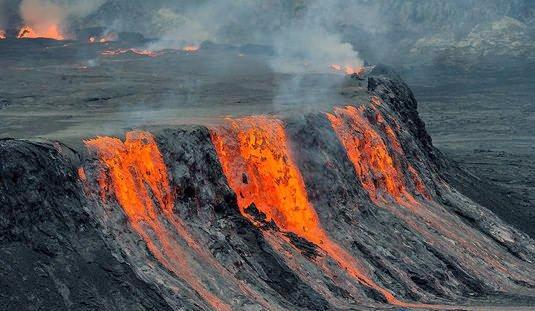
346,209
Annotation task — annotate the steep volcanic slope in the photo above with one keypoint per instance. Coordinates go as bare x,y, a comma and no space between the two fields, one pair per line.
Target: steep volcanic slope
337,210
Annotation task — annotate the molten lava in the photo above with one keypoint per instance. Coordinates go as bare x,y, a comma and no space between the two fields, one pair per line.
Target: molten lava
191,48
348,70
368,152
49,32
135,173
259,168
138,151
258,164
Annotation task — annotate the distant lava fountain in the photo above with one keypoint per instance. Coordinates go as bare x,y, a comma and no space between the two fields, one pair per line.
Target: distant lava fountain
258,164
134,171
49,32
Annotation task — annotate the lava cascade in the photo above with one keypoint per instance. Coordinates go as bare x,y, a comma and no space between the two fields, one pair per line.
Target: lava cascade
259,167
136,174
370,156
383,178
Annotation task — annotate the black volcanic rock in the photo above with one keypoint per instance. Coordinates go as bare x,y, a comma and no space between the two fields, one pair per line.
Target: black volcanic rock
193,165
53,255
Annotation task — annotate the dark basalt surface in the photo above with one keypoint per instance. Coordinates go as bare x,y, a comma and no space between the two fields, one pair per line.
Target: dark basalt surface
62,247
53,255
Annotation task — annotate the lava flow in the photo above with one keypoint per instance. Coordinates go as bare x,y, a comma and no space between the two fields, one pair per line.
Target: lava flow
369,154
134,171
259,167
49,32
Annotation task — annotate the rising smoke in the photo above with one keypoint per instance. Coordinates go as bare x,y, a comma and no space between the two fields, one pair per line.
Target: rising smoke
377,27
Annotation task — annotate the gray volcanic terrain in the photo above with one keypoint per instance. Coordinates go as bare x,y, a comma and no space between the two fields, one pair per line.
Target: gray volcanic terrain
484,122
110,93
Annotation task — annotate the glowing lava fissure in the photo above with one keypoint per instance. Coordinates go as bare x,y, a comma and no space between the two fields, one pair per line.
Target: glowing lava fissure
135,173
259,167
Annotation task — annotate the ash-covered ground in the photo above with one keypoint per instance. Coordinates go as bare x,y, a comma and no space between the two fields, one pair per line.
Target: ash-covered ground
67,90
483,118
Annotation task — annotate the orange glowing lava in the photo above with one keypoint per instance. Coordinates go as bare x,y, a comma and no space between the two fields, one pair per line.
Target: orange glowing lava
191,48
49,32
348,70
138,151
379,174
135,173
82,175
254,150
258,164
368,153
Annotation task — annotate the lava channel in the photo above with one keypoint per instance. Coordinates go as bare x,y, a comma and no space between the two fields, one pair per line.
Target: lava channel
137,176
259,167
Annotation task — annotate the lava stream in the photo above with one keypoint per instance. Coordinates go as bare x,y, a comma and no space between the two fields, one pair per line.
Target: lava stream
369,154
137,176
382,177
259,167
